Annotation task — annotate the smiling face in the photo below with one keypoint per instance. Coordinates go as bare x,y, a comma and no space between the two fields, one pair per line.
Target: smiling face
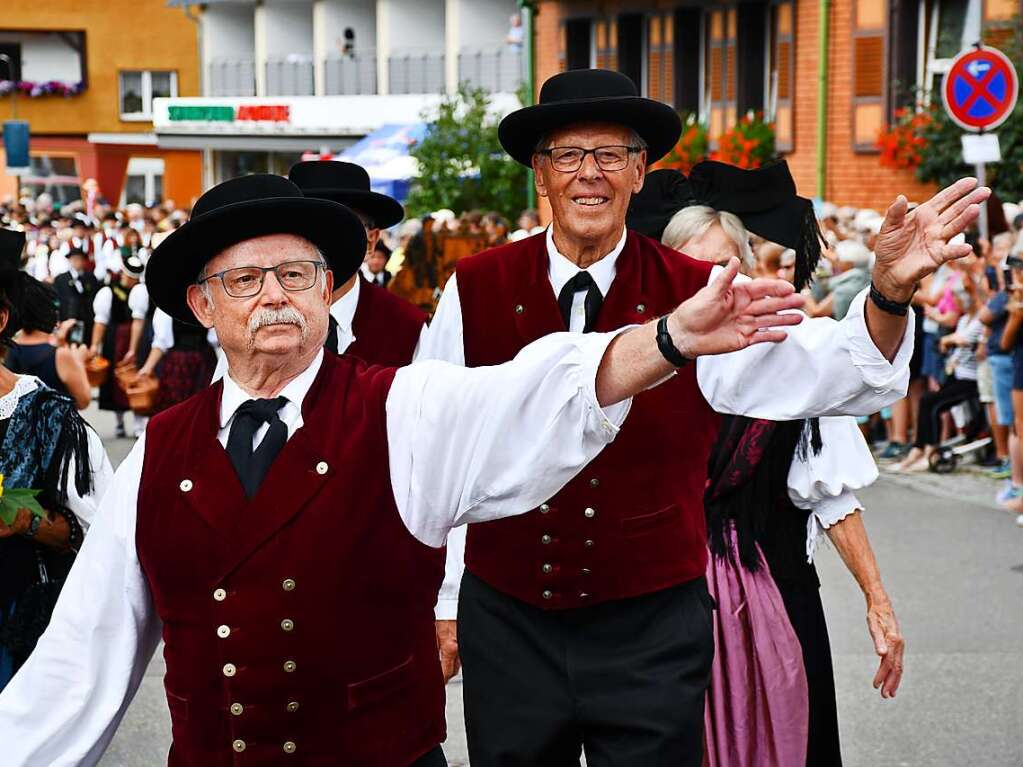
275,321
589,205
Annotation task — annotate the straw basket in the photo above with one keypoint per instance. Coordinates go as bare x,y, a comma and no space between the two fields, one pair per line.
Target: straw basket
125,374
143,395
97,370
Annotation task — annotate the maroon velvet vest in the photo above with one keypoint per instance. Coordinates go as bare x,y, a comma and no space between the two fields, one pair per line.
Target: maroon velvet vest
632,522
298,624
386,327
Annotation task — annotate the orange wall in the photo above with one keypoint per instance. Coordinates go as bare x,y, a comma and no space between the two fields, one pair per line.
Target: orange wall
119,34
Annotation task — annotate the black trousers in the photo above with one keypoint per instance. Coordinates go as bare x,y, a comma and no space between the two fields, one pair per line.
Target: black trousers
434,758
624,680
934,403
806,614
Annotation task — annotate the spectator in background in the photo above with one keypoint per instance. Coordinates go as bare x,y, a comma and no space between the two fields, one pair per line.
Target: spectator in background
374,267
495,228
1012,342
851,274
958,387
706,234
516,33
41,348
76,288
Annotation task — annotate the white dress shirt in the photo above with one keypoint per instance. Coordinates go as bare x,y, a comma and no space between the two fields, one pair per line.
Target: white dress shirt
102,304
138,302
63,707
824,368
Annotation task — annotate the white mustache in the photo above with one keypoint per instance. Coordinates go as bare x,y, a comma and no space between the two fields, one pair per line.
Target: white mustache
262,318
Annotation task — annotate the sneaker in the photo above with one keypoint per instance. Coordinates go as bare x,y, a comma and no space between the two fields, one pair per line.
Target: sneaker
120,433
1002,471
1008,493
894,451
1019,521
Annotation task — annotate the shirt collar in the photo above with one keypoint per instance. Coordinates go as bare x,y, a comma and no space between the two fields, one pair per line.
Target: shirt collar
343,310
561,270
233,395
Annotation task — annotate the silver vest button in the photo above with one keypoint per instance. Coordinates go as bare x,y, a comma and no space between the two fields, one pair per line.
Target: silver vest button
186,485
290,747
588,543
594,482
293,707
238,746
544,508
545,539
321,467
224,632
547,568
288,585
290,666
288,625
230,669
547,595
590,513
237,709
519,308
220,595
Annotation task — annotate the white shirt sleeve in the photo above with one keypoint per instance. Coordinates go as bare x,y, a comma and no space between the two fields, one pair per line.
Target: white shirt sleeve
823,368
463,442
138,302
85,507
64,705
442,338
101,305
825,483
163,331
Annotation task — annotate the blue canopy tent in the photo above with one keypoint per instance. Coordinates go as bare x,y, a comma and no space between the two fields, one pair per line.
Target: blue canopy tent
384,154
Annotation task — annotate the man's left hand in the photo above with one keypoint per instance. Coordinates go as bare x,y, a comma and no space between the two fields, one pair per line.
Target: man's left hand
913,244
888,644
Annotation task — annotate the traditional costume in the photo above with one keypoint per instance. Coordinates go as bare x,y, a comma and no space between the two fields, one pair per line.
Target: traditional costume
587,623
312,526
113,309
46,446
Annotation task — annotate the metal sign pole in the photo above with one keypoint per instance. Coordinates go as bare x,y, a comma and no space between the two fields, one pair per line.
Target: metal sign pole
981,169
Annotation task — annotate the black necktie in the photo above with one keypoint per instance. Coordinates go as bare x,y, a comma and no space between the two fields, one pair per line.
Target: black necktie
331,343
582,281
252,465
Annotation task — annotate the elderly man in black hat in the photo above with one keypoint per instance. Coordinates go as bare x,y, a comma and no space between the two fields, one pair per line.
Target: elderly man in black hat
585,624
282,530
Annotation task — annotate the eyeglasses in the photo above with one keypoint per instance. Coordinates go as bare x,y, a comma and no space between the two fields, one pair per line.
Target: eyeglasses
569,159
247,281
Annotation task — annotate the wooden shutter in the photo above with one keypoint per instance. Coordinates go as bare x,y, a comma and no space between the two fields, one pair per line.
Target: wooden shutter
783,71
870,72
661,57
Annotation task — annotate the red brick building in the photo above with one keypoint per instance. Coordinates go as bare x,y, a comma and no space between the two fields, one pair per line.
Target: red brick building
719,59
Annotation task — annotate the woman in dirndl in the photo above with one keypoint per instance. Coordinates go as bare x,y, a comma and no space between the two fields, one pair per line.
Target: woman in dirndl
46,446
181,358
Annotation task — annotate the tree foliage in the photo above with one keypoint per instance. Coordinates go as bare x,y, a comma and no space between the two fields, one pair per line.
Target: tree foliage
461,163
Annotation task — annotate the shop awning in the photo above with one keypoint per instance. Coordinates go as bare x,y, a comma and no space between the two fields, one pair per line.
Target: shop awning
384,154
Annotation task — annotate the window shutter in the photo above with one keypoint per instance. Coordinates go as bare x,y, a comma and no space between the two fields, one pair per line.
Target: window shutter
870,72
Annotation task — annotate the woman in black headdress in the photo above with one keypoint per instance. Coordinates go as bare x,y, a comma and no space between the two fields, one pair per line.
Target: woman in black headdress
773,488
46,446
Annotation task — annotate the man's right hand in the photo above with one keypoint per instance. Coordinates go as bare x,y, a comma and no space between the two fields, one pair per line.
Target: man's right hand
447,646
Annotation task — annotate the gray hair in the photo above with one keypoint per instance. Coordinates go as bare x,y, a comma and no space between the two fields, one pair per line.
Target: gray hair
634,140
695,220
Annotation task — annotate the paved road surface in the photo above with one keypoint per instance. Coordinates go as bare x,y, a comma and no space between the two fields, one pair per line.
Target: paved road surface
954,567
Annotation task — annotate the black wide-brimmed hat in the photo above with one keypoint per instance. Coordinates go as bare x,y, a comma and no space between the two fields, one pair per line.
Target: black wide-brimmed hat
764,199
239,210
590,95
348,184
12,243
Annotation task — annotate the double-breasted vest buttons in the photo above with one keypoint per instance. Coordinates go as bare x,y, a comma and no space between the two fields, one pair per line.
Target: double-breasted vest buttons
230,669
322,467
290,747
288,585
288,625
237,709
186,485
224,632
220,595
590,513
290,666
238,745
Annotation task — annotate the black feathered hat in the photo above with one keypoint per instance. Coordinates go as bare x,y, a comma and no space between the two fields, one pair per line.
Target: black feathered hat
241,209
590,95
348,184
763,198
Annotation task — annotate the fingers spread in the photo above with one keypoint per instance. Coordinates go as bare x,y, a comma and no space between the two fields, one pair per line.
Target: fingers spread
950,252
767,337
777,320
763,287
978,195
951,193
958,224
771,305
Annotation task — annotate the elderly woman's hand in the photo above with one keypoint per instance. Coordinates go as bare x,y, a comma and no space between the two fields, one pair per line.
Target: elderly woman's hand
20,526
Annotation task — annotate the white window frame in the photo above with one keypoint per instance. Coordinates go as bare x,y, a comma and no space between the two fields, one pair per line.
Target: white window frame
146,115
928,66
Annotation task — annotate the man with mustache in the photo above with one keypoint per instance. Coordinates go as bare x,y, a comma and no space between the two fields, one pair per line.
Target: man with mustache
585,624
283,529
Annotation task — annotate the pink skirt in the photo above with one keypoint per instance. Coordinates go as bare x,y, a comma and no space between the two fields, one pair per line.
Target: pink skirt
757,705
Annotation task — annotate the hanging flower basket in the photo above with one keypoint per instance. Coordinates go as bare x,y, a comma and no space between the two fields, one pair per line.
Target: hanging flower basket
749,144
691,148
902,144
39,89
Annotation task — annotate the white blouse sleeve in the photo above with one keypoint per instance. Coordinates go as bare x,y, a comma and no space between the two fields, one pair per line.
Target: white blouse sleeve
823,368
63,706
825,483
138,302
85,507
163,331
463,443
101,305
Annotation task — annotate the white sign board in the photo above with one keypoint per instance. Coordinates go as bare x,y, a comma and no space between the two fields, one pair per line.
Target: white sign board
981,148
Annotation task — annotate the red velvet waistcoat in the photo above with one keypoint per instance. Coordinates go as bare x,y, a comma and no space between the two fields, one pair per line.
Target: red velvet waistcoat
298,624
632,522
386,327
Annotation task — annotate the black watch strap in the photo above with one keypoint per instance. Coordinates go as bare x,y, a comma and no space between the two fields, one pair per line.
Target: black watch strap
885,304
33,527
667,346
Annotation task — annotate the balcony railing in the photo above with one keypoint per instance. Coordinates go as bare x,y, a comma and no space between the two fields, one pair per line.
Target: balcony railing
351,75
290,76
416,72
231,77
499,69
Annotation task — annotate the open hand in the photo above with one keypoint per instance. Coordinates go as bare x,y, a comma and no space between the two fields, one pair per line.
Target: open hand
447,645
912,245
888,644
726,316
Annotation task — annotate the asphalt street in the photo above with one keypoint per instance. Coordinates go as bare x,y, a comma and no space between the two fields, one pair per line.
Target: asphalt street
953,565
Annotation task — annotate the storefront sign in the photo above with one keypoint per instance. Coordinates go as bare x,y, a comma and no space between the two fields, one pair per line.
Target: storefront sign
243,113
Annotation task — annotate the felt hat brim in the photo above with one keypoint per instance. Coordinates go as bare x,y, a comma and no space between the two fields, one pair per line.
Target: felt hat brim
385,211
657,124
177,261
